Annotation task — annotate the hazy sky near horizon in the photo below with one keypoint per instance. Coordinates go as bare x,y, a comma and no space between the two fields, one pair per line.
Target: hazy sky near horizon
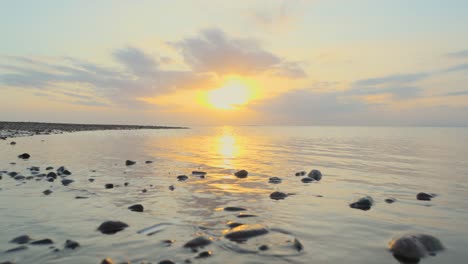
203,62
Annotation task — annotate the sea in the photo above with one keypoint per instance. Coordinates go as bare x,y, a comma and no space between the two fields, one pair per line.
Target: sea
313,224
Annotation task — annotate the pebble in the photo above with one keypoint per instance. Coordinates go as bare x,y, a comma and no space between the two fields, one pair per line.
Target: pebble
126,184
364,203
66,182
315,174
107,261
241,174
278,195
182,177
112,227
171,187
91,180
24,156
12,143
50,179
301,173
234,224
19,177
413,247
23,239
263,248
307,180
144,190
71,244
234,209
47,192
390,200
16,249
244,232
274,180
148,161
298,245
129,162
136,208
166,261
51,175
198,173
241,215
197,242
45,241
49,168
424,196
109,186
204,254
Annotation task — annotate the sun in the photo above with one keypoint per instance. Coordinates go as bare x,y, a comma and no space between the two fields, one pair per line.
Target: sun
232,95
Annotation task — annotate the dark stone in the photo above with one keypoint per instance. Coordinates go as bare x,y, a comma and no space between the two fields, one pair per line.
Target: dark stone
315,174
364,203
298,245
182,177
234,209
107,261
274,180
19,177
245,232
413,247
12,143
66,172
29,177
241,215
148,161
307,180
390,200
81,197
129,162
197,242
112,227
278,195
52,175
241,174
12,174
45,241
144,190
24,156
198,173
301,173
66,182
136,208
34,168
47,192
50,179
16,249
49,168
424,196
7,262
204,254
171,187
23,239
71,244
126,184
109,185
166,261
263,248
234,224
91,180
168,242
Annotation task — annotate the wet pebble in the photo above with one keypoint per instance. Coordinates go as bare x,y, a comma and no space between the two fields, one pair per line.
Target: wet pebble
144,190
234,209
233,224
23,239
112,227
204,254
301,173
12,173
49,168
71,244
24,156
67,182
307,180
20,248
315,174
298,245
136,208
51,175
50,179
241,215
390,200
166,261
171,187
182,177
424,196
109,186
107,261
126,184
129,162
91,180
241,174
47,192
364,203
81,197
244,232
199,173
278,195
263,248
274,180
197,242
148,161
19,177
45,241
413,247
12,143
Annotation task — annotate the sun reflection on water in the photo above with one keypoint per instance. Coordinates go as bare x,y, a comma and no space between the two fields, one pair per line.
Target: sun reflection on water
228,146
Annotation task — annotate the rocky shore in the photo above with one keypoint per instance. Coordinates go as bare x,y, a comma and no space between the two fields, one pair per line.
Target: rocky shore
18,129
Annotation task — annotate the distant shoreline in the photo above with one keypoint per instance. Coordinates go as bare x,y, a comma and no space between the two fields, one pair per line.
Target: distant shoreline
18,129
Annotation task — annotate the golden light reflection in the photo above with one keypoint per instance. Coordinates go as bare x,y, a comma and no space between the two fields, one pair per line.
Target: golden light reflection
228,146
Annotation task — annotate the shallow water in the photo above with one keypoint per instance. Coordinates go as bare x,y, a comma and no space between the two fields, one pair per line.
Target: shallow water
355,161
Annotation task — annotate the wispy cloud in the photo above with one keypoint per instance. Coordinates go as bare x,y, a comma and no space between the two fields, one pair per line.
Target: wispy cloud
458,93
458,54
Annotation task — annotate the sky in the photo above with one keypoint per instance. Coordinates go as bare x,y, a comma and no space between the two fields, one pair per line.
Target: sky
248,62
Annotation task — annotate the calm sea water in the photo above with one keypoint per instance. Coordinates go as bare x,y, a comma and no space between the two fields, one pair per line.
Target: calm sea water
380,162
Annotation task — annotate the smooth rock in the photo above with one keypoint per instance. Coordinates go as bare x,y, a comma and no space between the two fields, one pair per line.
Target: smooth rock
244,232
274,180
49,168
129,162
47,192
204,254
107,261
298,245
234,209
71,244
413,247
171,187
424,196
50,179
234,224
241,174
390,200
112,227
23,239
91,180
278,195
182,177
109,186
81,197
51,175
263,248
197,242
12,143
12,173
307,180
198,173
66,182
136,208
148,161
24,156
364,203
45,241
20,248
301,173
19,177
242,215
315,174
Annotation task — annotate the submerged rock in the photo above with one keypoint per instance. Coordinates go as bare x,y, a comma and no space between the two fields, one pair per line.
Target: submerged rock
24,156
45,241
182,177
47,192
364,203
274,180
197,242
307,180
129,162
109,186
413,247
244,232
298,245
263,247
278,195
234,209
390,200
242,215
241,174
204,254
20,248
315,174
71,244
301,173
199,173
112,227
136,208
49,168
148,161
424,196
66,182
23,239
91,180
51,175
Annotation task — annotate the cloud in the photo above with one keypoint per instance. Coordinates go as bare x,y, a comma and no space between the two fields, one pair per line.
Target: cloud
458,68
214,51
396,79
458,93
458,54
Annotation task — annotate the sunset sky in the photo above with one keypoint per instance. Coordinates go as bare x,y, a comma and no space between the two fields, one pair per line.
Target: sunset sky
206,62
